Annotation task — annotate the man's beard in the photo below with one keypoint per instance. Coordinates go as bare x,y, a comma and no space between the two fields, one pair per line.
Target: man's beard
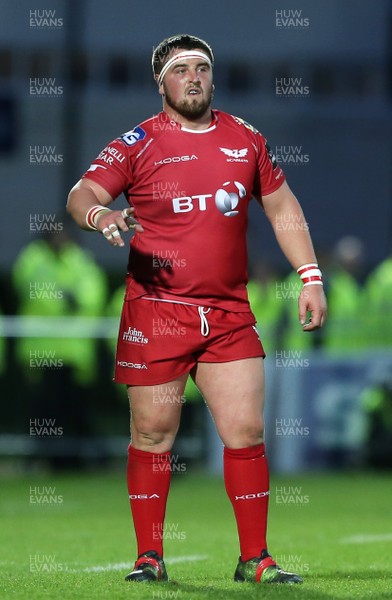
190,107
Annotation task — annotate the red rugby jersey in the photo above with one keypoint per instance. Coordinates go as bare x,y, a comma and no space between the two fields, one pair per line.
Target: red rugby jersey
190,190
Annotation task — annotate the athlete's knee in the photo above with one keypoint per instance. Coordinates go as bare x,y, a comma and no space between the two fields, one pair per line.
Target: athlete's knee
253,437
155,442
243,434
249,436
153,437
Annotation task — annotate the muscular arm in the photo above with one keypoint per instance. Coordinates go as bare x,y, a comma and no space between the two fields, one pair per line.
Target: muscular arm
85,194
292,233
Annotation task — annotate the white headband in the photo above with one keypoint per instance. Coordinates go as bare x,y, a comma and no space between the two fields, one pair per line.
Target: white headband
179,56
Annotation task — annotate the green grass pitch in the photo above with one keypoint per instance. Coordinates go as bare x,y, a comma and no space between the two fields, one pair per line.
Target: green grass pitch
70,537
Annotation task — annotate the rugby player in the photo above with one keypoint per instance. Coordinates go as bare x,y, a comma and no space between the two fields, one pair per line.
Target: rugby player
188,175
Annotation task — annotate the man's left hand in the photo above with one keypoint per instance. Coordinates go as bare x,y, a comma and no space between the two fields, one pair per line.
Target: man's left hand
312,300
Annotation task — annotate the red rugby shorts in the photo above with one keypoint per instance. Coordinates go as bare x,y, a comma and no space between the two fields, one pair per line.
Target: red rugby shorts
159,341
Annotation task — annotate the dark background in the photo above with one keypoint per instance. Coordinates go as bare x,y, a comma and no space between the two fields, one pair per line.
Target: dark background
101,56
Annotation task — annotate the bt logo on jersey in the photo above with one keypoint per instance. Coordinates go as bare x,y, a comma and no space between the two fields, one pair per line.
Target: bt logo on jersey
186,203
225,200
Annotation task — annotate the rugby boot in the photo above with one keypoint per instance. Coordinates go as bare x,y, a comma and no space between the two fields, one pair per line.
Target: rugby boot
148,567
263,569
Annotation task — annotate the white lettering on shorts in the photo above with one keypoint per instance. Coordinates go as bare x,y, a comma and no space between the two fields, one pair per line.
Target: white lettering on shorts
131,365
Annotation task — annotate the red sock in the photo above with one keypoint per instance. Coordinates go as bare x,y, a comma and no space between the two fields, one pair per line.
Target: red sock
247,485
148,478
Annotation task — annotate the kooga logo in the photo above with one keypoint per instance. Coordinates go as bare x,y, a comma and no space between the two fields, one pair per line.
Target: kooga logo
252,496
142,496
175,159
131,365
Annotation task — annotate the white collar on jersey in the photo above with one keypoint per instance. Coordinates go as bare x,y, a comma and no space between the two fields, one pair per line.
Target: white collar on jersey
198,130
212,126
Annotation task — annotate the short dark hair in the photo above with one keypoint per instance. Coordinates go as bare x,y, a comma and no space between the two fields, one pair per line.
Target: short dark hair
182,40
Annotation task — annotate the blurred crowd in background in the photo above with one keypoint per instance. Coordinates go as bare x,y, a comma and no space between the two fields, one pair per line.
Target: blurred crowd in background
69,378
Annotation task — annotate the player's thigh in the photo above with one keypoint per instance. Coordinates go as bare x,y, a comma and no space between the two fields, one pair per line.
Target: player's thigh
156,408
234,392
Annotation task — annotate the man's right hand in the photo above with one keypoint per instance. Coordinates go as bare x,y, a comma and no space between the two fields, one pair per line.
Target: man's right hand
111,222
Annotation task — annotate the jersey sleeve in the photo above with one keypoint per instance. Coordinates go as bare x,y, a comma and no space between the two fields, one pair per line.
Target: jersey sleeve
112,168
270,175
